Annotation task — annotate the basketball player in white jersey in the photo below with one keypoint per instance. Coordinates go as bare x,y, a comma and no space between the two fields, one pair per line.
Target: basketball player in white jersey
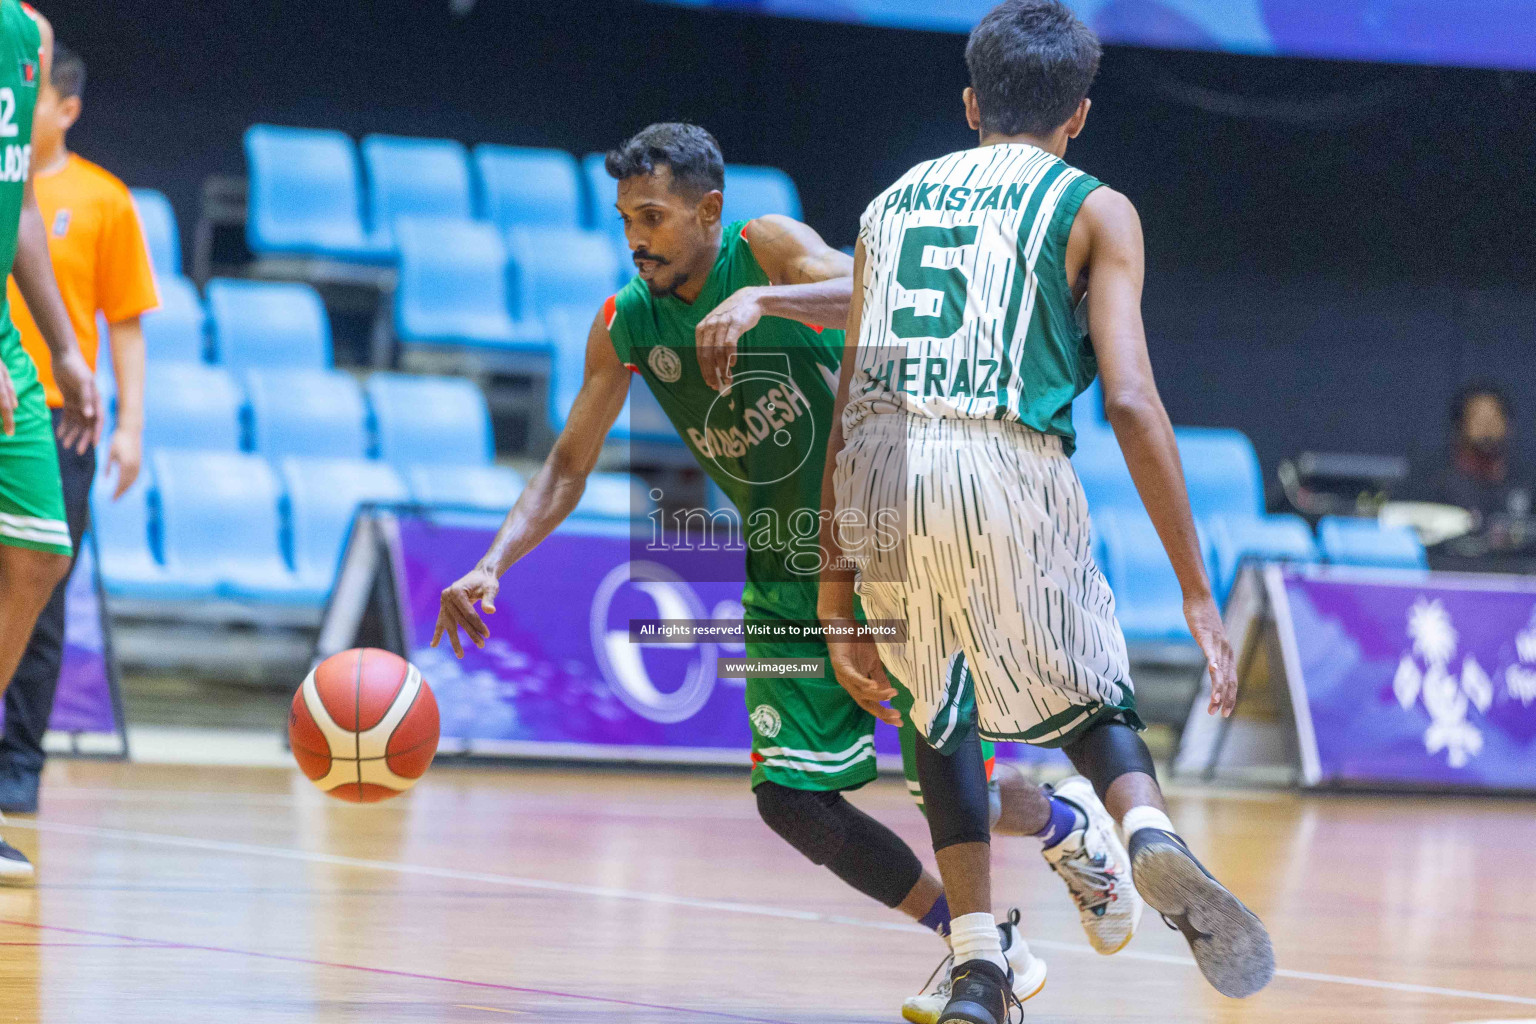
956,410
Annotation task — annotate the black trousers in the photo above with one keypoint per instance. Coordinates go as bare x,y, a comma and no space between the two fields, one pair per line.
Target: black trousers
29,701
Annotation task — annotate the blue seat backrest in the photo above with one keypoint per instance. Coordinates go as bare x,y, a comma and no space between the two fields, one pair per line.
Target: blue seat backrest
321,497
525,187
268,323
433,420
218,510
487,487
1349,541
556,267
1221,471
1275,538
757,191
306,412
407,177
176,332
1088,408
122,525
453,283
191,406
615,496
602,193
1101,467
305,193
1148,598
158,221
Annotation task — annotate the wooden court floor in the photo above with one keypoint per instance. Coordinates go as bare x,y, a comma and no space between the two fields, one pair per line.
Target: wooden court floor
490,894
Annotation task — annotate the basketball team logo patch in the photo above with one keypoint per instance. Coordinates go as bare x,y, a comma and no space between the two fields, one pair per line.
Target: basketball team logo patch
766,720
665,364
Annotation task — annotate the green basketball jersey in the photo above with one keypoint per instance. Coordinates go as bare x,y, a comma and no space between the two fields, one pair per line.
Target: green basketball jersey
764,439
20,68
967,310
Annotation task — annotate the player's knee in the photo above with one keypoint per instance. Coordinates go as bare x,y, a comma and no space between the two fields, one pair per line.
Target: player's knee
1107,751
955,793
801,818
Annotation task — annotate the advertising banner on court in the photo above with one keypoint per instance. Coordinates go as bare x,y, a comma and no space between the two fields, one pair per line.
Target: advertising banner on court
85,704
1371,677
567,671
1420,679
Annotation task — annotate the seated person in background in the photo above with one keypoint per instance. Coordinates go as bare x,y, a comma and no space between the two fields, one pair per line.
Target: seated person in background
1483,475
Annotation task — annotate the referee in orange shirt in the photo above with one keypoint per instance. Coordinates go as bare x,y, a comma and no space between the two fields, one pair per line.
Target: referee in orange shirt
102,264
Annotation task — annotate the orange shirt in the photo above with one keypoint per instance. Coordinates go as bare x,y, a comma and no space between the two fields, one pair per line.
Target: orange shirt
99,258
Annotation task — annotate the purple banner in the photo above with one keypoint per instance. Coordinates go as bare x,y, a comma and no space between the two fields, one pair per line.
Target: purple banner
84,702
560,667
1418,678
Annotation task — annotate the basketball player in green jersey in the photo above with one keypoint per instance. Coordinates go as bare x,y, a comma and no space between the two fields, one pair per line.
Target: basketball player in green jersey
34,540
723,324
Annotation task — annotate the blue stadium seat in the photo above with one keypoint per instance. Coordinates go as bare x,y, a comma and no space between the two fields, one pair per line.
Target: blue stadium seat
1273,538
1350,541
1088,408
268,324
122,527
487,487
641,419
187,405
421,178
1222,472
524,187
1101,468
306,412
1148,600
158,221
555,267
321,497
602,193
429,420
615,496
756,191
453,286
219,524
176,332
306,195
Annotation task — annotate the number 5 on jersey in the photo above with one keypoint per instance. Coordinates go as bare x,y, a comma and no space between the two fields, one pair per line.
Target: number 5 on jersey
937,276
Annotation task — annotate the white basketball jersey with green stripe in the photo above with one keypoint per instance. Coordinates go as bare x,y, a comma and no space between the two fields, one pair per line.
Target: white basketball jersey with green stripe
967,310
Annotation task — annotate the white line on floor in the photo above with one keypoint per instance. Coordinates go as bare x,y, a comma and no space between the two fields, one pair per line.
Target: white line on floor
605,892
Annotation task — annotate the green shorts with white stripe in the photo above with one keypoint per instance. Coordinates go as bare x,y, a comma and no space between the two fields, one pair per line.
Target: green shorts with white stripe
31,494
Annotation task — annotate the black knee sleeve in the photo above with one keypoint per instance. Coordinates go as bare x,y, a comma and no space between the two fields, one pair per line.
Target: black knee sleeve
1107,751
955,793
831,832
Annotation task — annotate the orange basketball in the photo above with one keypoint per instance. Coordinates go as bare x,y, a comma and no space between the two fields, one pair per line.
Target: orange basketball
363,726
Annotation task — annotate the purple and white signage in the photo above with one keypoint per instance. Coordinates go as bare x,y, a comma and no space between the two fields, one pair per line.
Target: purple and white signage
1412,678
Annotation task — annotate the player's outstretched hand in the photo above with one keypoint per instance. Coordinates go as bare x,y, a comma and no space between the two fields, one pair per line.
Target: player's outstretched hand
857,666
718,334
7,402
458,609
81,427
1210,633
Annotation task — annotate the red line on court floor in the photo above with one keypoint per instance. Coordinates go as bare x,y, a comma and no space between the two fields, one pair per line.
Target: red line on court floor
308,962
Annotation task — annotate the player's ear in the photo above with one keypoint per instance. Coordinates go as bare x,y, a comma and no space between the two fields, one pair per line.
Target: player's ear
972,109
710,207
69,111
1078,119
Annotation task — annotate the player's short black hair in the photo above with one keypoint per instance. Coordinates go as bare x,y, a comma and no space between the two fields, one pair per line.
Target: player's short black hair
68,72
691,152
1031,63
1478,389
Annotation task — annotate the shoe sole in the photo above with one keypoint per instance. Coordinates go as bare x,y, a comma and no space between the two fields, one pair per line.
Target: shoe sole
1230,944
1034,981
969,1013
19,873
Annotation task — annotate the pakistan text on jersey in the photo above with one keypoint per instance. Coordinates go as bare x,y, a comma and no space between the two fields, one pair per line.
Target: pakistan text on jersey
938,376
18,159
776,409
955,197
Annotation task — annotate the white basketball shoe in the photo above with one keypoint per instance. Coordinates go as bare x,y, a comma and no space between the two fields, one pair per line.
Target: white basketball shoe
14,866
1094,864
1026,970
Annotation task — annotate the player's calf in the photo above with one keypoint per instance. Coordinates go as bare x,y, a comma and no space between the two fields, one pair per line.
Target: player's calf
27,578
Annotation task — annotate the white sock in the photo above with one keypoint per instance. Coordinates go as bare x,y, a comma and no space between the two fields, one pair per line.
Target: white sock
974,937
1138,818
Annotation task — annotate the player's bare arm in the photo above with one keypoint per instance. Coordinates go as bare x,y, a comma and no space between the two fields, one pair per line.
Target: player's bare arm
812,283
33,271
856,663
126,449
550,497
1106,249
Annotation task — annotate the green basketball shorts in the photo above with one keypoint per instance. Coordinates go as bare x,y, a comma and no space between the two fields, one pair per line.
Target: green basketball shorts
31,493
